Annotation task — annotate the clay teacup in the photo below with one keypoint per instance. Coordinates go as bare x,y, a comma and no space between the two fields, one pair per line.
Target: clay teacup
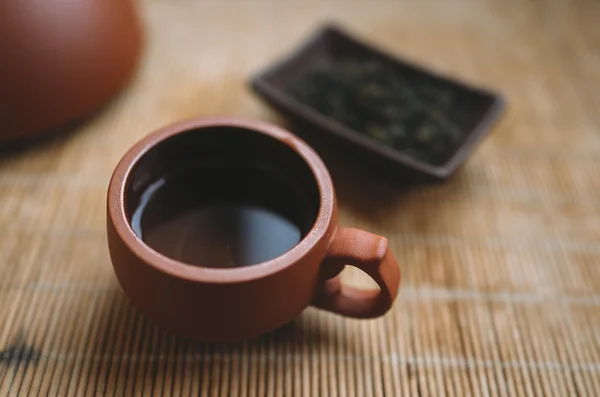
235,302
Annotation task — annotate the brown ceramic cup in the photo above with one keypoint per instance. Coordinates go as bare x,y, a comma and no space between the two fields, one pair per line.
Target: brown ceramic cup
230,304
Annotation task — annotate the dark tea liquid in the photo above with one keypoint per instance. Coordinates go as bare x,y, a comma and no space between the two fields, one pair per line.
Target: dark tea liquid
222,218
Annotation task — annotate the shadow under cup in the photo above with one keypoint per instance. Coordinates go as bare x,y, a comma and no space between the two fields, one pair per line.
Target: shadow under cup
221,197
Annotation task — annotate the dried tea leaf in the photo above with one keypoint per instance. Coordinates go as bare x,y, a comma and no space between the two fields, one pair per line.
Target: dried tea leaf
406,110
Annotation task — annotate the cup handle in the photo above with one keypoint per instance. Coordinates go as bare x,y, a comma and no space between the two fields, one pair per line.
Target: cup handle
369,253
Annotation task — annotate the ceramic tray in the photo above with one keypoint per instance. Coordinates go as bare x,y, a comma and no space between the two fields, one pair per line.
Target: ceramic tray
332,44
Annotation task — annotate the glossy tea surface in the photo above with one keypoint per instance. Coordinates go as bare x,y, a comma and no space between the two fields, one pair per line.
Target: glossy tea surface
222,217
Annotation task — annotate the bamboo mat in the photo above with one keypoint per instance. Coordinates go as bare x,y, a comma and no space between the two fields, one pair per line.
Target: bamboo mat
501,287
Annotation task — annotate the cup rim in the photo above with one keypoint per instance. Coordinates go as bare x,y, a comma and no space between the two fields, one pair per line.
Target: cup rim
120,181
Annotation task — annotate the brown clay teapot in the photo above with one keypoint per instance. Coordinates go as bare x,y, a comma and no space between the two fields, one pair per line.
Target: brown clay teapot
61,60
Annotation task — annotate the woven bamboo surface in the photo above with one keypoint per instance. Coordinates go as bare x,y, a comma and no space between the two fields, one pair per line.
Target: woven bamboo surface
501,265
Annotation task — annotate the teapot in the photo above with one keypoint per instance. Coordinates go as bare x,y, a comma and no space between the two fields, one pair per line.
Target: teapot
61,60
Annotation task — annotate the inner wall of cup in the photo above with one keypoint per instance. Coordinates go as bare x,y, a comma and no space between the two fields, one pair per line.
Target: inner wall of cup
223,152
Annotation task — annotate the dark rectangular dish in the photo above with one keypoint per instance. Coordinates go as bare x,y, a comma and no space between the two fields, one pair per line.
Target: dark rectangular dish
481,107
